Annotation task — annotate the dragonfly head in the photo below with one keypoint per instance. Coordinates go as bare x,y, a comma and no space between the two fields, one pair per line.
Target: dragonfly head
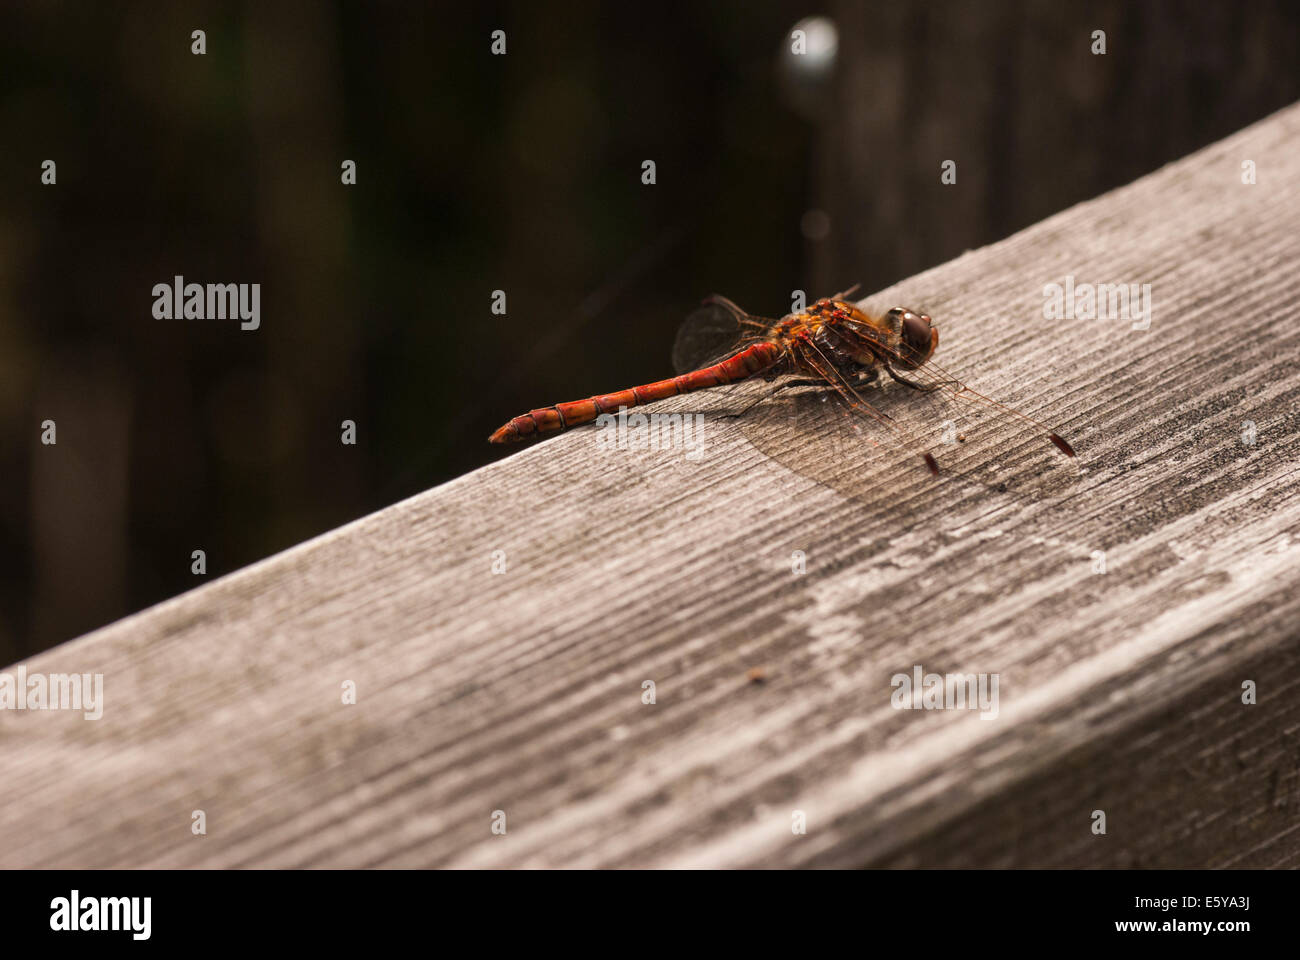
917,336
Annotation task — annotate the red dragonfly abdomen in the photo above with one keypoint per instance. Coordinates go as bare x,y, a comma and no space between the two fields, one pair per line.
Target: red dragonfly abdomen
753,359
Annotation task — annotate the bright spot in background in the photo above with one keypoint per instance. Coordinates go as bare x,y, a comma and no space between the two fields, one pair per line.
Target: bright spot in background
823,43
806,77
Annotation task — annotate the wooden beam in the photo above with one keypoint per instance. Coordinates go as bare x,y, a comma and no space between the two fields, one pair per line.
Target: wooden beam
1119,691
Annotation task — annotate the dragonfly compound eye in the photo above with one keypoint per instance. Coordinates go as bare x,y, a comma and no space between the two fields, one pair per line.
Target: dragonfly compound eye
916,331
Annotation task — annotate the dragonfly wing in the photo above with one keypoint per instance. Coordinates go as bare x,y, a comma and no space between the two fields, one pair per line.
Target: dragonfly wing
981,413
880,443
891,433
713,332
960,401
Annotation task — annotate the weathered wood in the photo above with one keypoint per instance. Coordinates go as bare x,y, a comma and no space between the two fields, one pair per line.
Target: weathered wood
522,691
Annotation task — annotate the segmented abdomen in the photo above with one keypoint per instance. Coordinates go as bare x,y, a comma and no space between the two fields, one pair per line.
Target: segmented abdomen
753,359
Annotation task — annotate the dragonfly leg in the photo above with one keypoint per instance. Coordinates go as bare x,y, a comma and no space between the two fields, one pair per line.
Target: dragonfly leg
801,382
923,387
864,377
768,395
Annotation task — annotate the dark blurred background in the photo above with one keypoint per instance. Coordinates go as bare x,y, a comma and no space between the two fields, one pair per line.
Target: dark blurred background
475,173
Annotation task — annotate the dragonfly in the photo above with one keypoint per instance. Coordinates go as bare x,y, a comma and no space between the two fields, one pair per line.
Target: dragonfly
833,344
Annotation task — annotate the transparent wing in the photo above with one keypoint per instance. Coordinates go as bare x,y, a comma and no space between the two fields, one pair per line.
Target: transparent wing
707,334
814,432
875,441
714,332
963,402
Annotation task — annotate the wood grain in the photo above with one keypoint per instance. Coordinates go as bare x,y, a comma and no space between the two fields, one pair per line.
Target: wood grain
522,692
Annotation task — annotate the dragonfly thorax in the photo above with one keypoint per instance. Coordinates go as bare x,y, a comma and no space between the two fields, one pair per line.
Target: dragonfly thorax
846,337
